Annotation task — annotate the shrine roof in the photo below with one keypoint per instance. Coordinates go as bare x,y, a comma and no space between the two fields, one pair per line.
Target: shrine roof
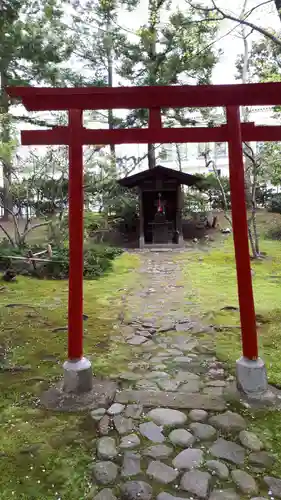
160,172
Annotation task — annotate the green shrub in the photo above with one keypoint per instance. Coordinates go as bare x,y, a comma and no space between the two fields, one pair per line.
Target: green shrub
94,221
97,260
274,204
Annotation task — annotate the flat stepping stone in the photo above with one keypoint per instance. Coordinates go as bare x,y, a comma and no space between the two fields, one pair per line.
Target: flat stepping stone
176,400
137,340
134,411
259,498
167,496
228,422
123,425
216,383
224,495
156,375
158,359
152,432
182,376
244,482
191,386
166,416
106,448
181,437
274,485
261,459
191,458
131,464
183,327
198,415
250,440
104,425
161,472
147,385
182,360
217,468
197,483
168,385
203,432
105,472
115,409
229,451
129,376
129,442
105,494
159,451
174,352
136,490
213,391
97,415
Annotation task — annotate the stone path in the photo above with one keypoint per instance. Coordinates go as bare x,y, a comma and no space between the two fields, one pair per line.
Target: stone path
170,434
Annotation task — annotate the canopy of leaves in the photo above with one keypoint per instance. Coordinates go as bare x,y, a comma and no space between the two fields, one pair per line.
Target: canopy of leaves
32,42
264,62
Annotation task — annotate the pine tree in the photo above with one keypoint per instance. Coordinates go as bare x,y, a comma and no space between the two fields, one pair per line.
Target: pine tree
33,49
99,44
168,53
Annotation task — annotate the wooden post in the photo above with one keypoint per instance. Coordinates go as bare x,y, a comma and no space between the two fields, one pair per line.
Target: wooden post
240,235
179,215
141,225
75,299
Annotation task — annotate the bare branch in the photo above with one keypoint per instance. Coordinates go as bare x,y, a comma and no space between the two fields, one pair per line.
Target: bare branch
41,224
238,20
7,234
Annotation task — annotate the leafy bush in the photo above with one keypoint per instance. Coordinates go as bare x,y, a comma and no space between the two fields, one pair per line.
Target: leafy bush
97,260
93,221
274,204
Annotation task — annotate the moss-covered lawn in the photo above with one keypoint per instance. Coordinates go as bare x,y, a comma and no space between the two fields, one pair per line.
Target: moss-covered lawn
45,456
210,285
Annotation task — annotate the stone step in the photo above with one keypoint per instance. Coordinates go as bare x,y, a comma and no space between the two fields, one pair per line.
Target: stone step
179,400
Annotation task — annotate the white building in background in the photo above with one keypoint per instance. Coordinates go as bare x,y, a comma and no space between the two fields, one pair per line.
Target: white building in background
189,157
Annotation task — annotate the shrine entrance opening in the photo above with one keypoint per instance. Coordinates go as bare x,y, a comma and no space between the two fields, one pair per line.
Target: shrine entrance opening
250,369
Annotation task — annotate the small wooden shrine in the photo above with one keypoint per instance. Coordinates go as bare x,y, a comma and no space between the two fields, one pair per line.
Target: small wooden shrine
160,204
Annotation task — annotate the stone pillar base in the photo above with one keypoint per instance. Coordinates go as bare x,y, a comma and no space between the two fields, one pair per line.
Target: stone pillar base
251,377
78,376
141,242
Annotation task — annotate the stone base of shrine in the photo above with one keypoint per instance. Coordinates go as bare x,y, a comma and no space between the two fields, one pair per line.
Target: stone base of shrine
161,246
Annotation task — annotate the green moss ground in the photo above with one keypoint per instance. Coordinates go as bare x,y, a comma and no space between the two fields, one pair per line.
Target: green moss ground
44,455
210,284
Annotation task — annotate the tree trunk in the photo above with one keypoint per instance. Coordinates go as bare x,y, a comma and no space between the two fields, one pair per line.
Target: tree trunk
5,137
278,7
109,57
151,156
179,157
153,9
251,239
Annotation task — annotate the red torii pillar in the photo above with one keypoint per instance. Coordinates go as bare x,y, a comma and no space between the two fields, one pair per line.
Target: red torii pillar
77,369
250,369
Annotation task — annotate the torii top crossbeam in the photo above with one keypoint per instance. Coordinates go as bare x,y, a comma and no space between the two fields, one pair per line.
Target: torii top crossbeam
262,94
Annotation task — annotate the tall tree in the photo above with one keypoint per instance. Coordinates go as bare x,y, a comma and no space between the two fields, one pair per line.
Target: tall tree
98,46
33,48
166,53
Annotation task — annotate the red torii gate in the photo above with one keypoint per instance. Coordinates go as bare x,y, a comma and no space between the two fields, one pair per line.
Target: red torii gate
250,368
